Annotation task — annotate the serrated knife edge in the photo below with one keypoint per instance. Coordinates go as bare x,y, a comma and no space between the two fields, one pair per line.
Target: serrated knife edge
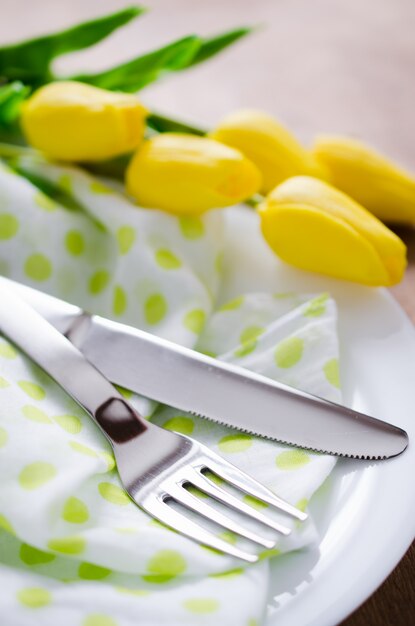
223,393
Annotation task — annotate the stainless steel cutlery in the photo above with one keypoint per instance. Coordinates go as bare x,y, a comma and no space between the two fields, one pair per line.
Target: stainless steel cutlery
222,392
156,466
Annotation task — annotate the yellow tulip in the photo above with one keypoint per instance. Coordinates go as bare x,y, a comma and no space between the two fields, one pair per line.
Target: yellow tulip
274,150
315,227
383,188
184,174
71,121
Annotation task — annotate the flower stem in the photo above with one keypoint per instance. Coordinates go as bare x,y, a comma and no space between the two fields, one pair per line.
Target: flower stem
9,150
254,201
164,124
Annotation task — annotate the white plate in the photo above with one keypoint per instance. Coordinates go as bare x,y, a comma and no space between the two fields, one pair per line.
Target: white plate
365,511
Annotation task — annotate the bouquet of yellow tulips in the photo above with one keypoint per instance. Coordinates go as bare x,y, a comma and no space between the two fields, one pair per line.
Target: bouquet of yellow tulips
320,209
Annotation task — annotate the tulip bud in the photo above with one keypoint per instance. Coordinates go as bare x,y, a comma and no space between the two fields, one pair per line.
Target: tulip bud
315,227
368,177
183,174
71,121
271,147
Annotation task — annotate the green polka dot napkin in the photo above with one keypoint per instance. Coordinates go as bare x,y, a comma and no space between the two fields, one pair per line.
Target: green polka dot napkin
74,550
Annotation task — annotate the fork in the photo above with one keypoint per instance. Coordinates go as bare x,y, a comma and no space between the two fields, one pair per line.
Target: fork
156,466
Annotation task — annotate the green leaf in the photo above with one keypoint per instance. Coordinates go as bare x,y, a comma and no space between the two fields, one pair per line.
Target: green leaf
216,44
139,72
30,60
179,55
11,97
163,124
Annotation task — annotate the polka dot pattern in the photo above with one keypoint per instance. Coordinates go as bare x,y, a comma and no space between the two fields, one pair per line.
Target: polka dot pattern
155,309
292,459
125,238
38,267
164,566
7,351
195,320
99,619
67,545
289,352
248,339
114,494
82,520
119,303
191,227
317,306
36,475
83,449
133,592
109,460
235,443
34,597
180,424
167,260
75,242
99,281
233,305
71,423
75,511
331,372
9,226
201,606
256,504
32,389
35,414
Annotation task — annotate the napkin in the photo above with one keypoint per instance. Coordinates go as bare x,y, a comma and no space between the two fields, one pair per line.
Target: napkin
74,549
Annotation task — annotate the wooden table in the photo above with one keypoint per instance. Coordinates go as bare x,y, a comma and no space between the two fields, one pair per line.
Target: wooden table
341,66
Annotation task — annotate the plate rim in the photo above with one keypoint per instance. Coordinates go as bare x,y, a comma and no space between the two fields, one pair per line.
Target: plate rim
364,586
396,331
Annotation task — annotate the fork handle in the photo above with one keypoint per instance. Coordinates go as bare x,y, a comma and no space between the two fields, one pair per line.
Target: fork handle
69,368
120,421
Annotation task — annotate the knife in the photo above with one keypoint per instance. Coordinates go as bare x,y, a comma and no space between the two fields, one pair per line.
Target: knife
222,392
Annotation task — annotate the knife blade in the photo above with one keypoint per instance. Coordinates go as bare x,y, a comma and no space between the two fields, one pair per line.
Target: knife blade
222,392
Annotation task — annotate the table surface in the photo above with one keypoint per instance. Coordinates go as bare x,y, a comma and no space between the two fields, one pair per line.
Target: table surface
321,66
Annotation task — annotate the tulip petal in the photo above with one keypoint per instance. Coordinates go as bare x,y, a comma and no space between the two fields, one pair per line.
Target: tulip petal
71,121
187,175
314,241
315,227
305,190
274,150
383,188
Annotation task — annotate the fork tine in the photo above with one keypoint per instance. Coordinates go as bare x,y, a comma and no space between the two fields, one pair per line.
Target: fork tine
180,494
169,516
243,481
207,486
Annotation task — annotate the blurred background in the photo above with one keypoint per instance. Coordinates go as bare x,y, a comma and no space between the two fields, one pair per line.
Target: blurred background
343,66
